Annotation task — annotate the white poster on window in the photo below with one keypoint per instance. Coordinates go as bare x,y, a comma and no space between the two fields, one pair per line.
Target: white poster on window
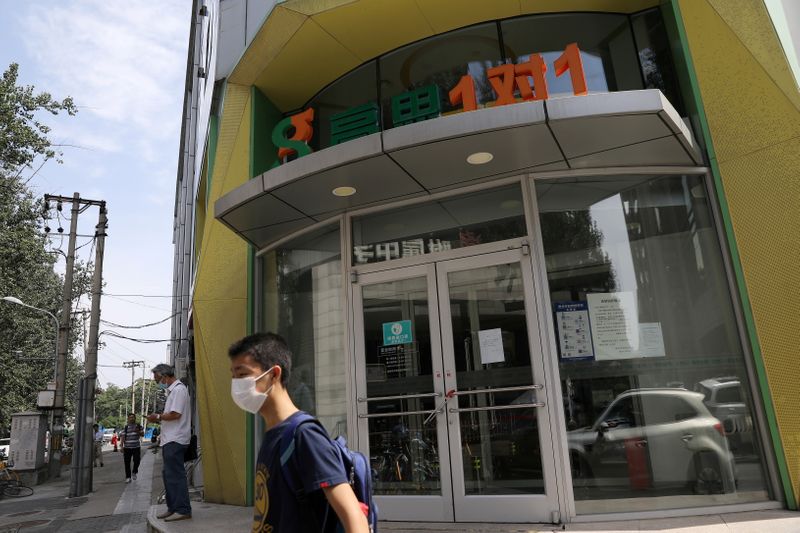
491,344
651,340
615,325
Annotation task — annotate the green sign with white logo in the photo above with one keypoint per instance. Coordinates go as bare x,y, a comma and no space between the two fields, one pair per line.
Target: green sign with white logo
397,333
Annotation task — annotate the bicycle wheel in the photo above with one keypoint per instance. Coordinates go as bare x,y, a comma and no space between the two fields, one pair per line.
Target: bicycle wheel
15,490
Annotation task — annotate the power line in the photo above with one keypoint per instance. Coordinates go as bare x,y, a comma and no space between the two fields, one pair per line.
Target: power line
137,303
137,327
141,295
117,335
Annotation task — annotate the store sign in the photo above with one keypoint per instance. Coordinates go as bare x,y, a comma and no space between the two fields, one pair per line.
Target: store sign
510,83
397,333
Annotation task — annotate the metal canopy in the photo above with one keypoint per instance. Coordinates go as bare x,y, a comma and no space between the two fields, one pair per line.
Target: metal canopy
620,129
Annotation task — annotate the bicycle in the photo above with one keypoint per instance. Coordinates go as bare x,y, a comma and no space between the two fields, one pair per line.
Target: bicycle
10,485
189,471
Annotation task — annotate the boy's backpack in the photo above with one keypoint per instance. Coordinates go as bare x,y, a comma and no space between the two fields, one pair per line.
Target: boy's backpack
354,463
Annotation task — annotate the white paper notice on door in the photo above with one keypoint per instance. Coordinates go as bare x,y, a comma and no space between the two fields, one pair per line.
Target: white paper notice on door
491,345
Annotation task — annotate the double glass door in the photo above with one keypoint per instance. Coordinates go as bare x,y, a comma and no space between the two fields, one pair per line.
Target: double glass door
450,391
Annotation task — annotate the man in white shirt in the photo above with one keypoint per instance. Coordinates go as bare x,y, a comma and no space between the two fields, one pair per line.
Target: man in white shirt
176,431
98,444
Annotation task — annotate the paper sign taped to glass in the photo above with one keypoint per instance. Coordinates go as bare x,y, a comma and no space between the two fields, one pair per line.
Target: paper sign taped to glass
616,330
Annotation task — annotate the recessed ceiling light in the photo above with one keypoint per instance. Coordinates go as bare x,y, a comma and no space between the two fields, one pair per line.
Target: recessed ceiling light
344,191
479,158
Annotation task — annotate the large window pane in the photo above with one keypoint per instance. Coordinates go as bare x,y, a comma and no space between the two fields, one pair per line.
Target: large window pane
447,224
302,301
655,56
656,392
607,50
441,61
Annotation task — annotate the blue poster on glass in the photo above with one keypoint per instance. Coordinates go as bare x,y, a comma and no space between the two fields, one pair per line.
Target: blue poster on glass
574,331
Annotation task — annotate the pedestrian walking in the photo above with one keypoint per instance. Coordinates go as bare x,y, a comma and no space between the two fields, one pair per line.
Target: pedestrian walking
176,432
98,445
131,447
114,440
260,366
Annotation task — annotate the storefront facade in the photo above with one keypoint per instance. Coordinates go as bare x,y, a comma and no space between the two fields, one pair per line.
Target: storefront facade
499,244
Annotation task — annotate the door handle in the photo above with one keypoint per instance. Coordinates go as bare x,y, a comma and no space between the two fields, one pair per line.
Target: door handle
687,437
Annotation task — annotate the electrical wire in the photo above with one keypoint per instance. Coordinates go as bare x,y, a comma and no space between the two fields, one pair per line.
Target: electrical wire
145,341
137,327
137,303
139,295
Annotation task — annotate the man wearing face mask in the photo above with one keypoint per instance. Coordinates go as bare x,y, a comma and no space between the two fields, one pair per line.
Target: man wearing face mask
176,431
260,366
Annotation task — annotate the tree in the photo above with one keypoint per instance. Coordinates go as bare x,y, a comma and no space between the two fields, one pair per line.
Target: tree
26,264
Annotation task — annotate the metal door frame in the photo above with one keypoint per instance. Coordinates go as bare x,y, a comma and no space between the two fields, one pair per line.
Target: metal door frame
505,507
499,508
402,507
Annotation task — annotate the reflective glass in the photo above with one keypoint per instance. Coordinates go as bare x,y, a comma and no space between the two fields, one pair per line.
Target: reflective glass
403,443
441,61
656,392
302,301
607,50
447,224
499,428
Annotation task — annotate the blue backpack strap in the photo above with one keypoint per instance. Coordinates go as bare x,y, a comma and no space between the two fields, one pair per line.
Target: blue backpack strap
287,446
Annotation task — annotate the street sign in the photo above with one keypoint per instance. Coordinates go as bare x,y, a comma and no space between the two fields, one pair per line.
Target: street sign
397,332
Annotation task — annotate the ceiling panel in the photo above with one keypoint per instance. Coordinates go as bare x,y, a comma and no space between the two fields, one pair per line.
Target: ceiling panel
666,151
444,163
587,135
261,237
260,211
375,179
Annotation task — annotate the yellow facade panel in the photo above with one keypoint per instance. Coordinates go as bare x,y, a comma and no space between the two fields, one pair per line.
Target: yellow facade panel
312,7
373,27
219,311
448,15
763,192
749,20
309,61
746,110
278,29
610,6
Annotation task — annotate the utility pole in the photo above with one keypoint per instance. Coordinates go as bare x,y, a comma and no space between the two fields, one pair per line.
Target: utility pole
133,365
81,480
141,413
57,430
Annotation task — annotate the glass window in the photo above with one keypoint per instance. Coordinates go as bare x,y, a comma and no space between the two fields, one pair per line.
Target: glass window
655,57
606,43
644,318
447,224
356,89
302,301
440,61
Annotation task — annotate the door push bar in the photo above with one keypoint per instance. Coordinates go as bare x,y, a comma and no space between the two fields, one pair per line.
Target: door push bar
403,413
452,393
400,397
496,407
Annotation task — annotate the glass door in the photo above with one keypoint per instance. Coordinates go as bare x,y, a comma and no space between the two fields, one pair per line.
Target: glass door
499,431
400,393
450,391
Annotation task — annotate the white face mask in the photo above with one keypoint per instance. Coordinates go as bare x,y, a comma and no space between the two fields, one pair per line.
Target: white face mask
245,395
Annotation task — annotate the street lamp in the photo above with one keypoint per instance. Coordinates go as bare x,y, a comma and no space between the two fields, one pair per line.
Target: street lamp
17,301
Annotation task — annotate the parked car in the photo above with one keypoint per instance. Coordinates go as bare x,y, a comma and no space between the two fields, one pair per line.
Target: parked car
654,438
725,398
107,433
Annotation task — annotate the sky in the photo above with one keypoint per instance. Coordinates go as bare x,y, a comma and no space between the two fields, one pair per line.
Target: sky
124,65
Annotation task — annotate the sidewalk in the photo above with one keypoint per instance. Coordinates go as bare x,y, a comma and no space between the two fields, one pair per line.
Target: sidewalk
209,517
112,506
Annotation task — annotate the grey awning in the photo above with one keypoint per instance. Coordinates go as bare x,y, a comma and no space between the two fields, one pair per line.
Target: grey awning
621,129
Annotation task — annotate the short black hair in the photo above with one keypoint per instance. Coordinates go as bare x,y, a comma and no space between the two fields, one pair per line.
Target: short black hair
268,350
95,426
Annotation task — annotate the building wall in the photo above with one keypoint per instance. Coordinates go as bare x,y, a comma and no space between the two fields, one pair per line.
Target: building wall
220,313
753,111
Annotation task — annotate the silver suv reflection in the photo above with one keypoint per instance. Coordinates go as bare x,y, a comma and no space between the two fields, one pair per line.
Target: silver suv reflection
654,438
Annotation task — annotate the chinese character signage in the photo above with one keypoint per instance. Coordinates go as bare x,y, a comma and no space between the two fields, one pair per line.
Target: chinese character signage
510,84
